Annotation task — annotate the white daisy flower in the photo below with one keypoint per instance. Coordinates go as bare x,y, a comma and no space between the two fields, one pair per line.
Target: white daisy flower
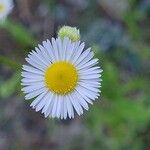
5,8
62,77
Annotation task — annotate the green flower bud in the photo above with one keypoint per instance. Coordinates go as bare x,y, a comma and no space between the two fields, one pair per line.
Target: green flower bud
71,32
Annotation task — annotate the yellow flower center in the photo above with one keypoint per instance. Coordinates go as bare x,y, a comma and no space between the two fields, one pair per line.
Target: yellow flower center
2,8
61,77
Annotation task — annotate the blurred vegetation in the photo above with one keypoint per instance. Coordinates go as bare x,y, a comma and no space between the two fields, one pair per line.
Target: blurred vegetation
119,35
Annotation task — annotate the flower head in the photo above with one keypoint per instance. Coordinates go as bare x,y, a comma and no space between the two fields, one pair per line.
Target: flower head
5,8
62,77
71,32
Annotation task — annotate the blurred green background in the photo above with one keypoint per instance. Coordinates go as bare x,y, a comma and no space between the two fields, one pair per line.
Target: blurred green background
119,33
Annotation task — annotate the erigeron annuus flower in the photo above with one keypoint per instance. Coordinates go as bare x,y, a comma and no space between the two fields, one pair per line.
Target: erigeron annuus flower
63,78
5,8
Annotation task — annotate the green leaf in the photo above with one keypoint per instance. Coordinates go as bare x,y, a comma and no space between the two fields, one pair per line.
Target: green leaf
10,86
9,62
21,35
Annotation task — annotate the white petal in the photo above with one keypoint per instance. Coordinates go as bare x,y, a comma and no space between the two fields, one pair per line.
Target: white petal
89,87
36,64
42,103
77,53
87,84
63,114
84,96
26,80
81,100
90,94
28,89
91,68
38,99
64,47
48,101
89,64
37,56
90,71
45,54
55,49
69,108
48,112
41,56
59,47
59,103
54,106
86,59
48,46
75,48
67,48
64,108
89,77
76,104
35,93
92,82
31,83
70,51
31,75
82,56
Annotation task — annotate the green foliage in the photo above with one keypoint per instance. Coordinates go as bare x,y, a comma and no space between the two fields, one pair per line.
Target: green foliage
119,111
20,34
10,86
131,18
11,63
